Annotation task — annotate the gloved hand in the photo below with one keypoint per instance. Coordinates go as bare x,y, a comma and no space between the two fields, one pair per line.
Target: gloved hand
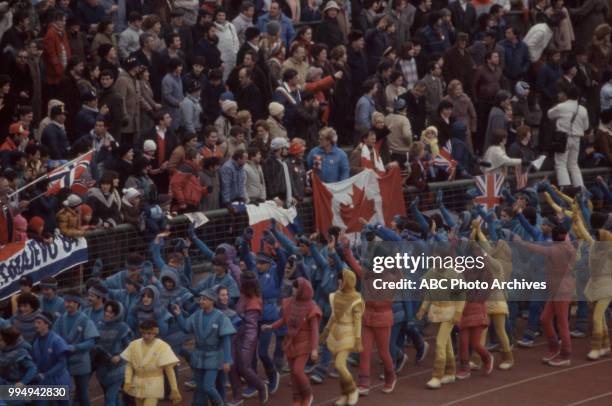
191,230
273,223
485,164
97,267
248,234
525,162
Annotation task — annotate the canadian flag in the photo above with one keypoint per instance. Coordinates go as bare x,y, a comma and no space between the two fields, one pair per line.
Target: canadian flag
366,195
261,214
367,154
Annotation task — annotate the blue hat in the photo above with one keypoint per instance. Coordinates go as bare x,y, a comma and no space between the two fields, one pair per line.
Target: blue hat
227,96
264,257
209,293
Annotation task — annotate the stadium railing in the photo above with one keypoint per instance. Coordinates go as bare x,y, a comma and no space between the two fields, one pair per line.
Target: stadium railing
113,245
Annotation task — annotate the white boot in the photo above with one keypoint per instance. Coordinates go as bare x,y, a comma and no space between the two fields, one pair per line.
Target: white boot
353,398
447,379
434,383
594,355
342,401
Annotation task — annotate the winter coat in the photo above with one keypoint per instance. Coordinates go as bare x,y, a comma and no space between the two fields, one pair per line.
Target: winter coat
69,222
106,208
128,88
228,46
185,187
56,52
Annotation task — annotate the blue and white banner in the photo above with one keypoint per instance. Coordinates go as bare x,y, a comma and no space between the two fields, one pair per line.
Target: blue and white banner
38,260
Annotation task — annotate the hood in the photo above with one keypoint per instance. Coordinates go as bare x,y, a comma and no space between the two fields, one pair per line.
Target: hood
155,291
170,274
459,130
350,281
119,315
304,291
230,251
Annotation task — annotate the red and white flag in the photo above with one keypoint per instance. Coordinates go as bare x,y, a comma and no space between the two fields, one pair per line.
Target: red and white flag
490,186
261,214
76,175
366,195
445,160
522,177
367,154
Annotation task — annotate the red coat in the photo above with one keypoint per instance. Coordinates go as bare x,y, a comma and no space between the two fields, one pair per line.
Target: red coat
185,187
319,88
378,313
474,315
52,50
301,315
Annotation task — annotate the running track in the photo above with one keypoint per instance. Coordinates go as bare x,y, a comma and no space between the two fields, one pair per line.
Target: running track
530,382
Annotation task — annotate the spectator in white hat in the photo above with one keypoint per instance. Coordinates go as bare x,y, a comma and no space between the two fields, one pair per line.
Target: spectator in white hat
275,121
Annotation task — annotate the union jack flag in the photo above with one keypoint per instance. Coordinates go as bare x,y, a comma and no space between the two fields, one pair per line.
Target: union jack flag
489,186
444,159
522,177
76,175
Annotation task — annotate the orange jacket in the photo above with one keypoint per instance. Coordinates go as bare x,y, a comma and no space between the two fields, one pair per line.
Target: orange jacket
185,187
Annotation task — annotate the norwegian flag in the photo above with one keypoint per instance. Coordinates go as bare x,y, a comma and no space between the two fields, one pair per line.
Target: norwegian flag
489,186
522,177
444,159
76,175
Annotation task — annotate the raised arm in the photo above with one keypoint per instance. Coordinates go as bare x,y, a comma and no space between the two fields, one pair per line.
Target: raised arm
201,245
418,216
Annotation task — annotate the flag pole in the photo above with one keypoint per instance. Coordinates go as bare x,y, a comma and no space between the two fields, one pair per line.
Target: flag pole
46,175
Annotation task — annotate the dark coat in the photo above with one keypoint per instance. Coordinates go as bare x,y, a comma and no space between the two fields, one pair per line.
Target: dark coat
210,52
358,66
249,98
70,94
376,44
329,33
458,66
464,21
116,119
275,179
416,112
156,70
305,124
85,121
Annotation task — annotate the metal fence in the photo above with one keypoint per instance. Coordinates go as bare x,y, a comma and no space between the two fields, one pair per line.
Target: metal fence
113,245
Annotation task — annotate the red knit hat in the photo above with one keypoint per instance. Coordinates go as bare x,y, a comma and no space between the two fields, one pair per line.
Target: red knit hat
36,224
86,210
296,148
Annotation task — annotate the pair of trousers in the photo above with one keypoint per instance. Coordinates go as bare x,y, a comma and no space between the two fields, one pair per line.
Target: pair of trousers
380,336
112,394
81,394
347,384
243,368
470,337
566,164
558,310
498,321
600,338
300,384
205,387
444,358
264,354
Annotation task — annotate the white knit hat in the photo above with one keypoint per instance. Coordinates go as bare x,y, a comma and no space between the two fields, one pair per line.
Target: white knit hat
149,146
227,105
73,201
276,109
130,193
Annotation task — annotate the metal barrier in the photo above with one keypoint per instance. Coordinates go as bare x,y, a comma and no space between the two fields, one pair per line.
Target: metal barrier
113,245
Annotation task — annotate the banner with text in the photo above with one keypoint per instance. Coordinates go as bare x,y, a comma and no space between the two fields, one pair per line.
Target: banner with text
38,260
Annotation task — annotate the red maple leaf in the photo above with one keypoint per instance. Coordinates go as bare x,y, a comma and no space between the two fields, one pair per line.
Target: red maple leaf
361,206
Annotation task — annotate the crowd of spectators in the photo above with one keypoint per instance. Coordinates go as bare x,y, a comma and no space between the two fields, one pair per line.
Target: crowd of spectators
203,106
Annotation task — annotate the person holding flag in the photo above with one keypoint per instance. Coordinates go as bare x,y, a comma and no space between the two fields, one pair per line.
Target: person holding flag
496,154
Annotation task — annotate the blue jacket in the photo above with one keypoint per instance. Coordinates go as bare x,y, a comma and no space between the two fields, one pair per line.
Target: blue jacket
172,96
232,182
85,120
363,112
516,59
50,354
55,139
80,334
432,42
334,165
546,83
287,30
212,333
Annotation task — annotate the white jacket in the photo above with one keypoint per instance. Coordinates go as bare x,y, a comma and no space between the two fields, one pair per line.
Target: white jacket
537,39
563,113
228,45
496,155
